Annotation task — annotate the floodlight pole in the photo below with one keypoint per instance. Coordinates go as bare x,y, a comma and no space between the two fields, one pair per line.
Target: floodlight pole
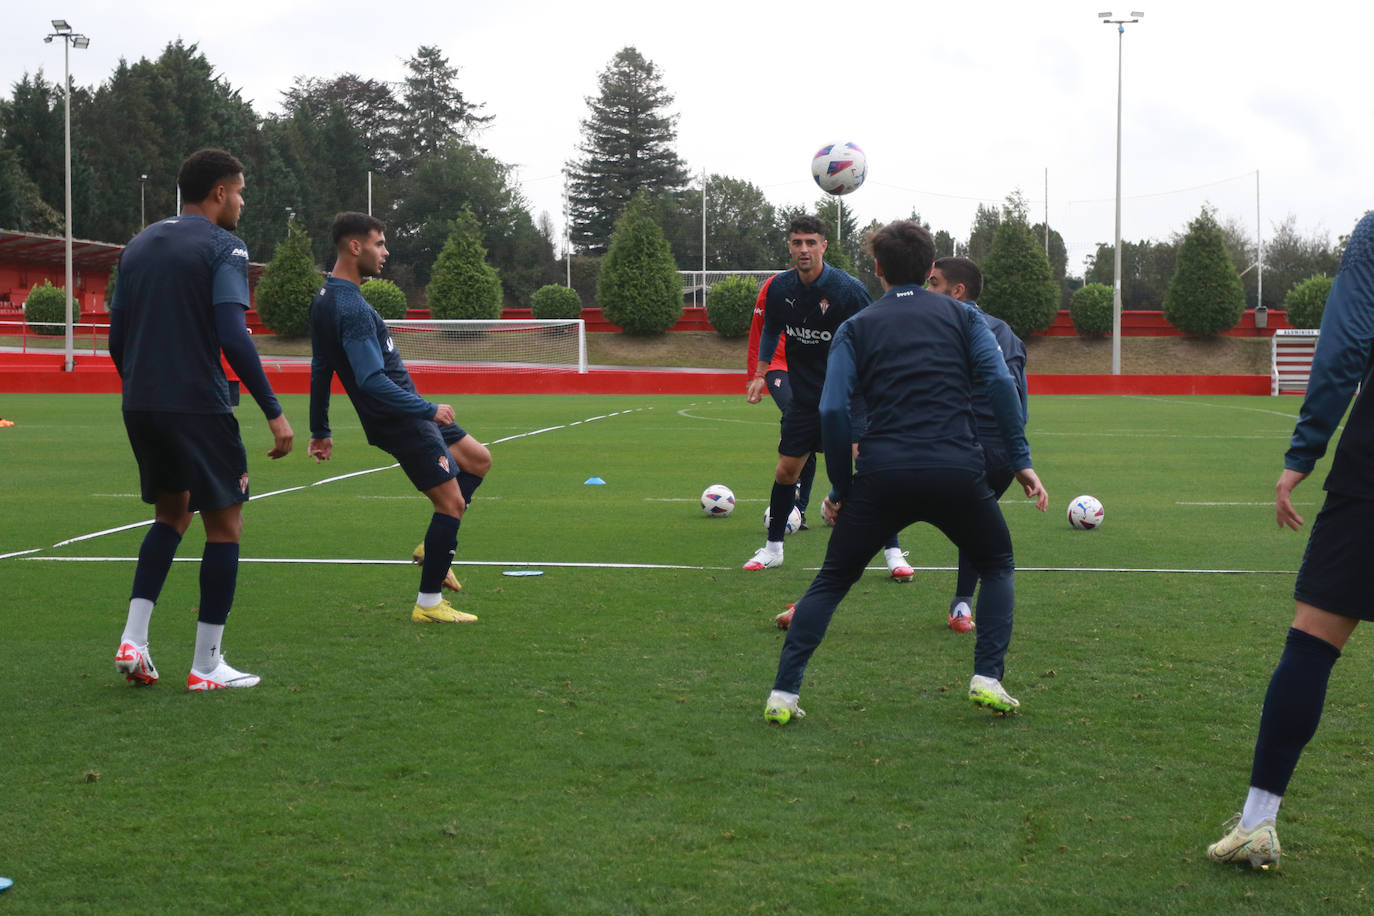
70,39
142,208
1116,269
703,235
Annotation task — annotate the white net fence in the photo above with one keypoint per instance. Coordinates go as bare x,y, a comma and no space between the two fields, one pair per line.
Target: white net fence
498,346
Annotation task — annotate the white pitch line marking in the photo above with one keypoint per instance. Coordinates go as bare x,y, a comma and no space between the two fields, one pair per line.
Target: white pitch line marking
321,561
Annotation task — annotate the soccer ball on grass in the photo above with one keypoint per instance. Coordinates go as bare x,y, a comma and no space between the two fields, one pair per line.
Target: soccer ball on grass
717,500
1085,513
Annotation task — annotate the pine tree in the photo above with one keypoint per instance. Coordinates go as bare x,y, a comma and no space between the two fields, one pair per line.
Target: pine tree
1018,283
288,285
627,147
462,284
434,111
639,288
1206,296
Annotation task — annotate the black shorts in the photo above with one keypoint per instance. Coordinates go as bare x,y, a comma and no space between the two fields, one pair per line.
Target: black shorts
776,381
421,449
801,431
1332,576
197,452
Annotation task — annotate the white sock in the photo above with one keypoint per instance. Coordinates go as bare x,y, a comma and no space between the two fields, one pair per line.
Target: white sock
428,599
1260,806
136,626
773,546
208,637
782,696
961,609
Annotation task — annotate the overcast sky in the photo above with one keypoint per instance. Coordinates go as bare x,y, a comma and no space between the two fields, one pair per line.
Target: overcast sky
954,106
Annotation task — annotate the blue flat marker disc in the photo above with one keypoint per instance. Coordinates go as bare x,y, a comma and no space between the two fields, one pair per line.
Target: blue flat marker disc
6,884
523,572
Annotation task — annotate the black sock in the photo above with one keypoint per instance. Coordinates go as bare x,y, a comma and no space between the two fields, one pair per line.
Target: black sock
1292,709
467,485
780,505
441,541
219,572
154,560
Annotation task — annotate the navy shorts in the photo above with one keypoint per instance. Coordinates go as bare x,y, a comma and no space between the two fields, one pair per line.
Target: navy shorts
197,452
1332,576
801,431
421,449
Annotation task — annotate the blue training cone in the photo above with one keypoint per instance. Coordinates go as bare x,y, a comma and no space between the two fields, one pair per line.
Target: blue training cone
595,482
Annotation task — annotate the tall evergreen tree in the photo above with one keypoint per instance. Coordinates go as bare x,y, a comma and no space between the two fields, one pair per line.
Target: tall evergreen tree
33,129
1019,284
434,109
1206,296
639,288
462,284
370,105
627,147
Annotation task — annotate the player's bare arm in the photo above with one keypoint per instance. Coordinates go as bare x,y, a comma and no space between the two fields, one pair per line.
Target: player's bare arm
1286,515
282,436
1030,482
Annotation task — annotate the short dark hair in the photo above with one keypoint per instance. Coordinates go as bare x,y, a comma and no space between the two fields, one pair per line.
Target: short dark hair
962,270
204,169
806,224
351,222
904,250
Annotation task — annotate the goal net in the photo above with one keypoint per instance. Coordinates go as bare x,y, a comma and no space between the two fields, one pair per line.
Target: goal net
495,346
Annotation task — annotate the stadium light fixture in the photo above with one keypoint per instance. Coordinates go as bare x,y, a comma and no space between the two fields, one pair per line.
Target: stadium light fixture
63,30
142,211
1116,269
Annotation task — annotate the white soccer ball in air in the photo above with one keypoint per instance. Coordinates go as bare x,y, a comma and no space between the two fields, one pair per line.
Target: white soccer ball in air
839,168
793,519
717,500
1085,513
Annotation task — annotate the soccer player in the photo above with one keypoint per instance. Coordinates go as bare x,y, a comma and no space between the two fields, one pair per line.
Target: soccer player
780,389
915,357
802,308
349,338
1332,591
179,302
960,278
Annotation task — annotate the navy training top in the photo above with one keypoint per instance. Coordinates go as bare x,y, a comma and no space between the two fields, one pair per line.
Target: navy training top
165,334
809,314
349,338
1344,359
1014,355
917,358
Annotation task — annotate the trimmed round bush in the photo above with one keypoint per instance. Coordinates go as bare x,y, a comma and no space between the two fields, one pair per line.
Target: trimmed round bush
462,285
1018,283
46,310
386,297
288,285
639,288
554,301
730,305
1206,297
1091,310
1306,301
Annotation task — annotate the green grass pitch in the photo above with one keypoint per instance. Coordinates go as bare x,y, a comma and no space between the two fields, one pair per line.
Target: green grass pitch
596,743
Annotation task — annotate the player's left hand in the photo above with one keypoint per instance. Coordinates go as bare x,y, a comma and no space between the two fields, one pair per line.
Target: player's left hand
830,511
320,449
282,436
1030,482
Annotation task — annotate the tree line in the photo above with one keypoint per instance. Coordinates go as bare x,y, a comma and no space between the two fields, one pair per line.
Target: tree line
419,142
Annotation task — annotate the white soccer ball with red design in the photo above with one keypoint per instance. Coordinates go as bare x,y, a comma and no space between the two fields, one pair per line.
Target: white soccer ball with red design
717,500
839,168
1086,513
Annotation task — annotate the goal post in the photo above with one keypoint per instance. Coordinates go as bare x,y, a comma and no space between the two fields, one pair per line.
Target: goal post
495,346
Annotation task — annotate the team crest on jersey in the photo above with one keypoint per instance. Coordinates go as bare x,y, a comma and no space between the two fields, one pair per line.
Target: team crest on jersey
443,463
243,484
825,306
